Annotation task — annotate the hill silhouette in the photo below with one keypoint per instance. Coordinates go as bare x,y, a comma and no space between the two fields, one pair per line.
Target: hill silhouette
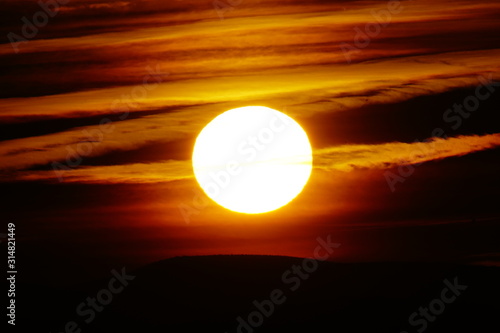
210,293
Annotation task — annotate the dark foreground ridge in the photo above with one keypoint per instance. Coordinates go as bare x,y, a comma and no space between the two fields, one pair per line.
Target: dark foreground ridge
247,294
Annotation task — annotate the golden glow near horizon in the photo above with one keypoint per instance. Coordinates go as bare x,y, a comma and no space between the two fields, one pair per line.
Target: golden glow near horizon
252,159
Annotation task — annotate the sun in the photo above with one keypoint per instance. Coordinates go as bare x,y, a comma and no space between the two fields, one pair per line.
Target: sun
252,159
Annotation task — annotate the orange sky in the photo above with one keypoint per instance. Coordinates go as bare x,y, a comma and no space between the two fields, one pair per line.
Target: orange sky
129,85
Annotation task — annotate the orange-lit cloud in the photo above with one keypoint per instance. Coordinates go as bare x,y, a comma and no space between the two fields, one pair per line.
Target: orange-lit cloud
168,68
389,155
342,158
343,86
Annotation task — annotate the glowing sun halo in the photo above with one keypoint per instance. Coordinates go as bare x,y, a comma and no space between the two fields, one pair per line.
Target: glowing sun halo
252,159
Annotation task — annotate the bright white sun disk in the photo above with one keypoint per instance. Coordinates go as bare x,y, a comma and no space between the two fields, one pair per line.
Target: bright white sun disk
252,159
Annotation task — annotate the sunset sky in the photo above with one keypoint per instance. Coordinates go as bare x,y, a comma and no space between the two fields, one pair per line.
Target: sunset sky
100,109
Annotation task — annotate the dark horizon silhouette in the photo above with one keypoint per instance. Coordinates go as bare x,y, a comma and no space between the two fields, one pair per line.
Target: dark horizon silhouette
220,294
